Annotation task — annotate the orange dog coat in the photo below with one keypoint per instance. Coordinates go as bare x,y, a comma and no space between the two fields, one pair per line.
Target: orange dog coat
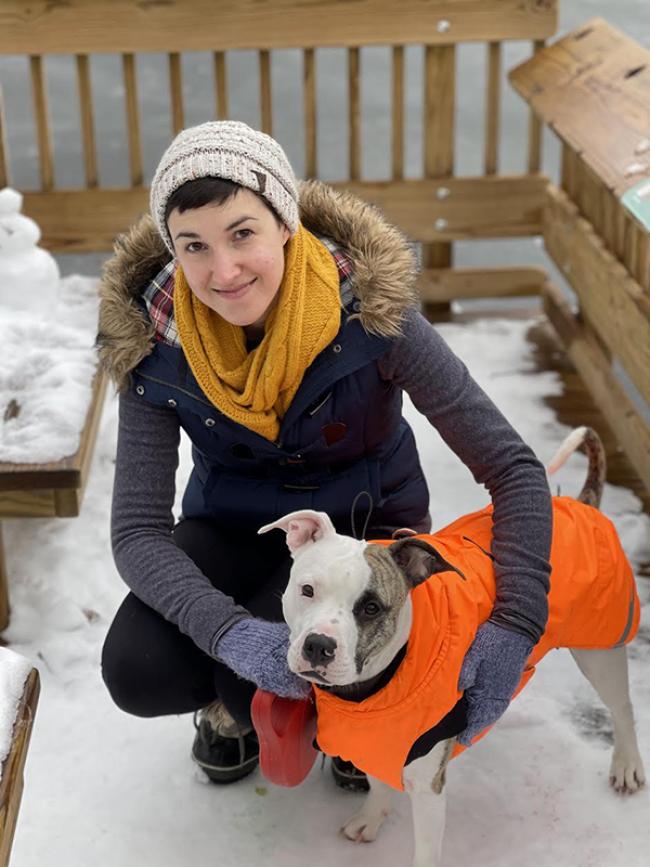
592,604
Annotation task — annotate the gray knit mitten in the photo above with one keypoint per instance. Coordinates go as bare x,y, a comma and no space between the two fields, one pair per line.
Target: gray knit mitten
491,671
257,650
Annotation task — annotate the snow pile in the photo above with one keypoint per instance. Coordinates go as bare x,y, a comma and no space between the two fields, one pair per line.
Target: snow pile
13,674
47,334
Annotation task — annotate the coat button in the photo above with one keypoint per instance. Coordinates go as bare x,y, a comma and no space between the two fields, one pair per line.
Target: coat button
210,422
171,402
139,389
337,347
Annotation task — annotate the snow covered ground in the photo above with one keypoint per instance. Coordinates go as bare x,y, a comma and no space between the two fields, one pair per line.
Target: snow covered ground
109,789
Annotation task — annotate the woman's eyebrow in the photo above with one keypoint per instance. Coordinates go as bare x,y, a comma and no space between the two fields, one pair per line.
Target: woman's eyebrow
238,222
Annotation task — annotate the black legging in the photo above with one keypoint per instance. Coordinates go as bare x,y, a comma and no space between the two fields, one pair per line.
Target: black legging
152,669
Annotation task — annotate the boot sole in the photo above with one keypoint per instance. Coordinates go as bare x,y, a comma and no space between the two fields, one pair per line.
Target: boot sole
230,774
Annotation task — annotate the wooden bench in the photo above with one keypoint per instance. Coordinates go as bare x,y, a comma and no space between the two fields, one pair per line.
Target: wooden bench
47,490
11,783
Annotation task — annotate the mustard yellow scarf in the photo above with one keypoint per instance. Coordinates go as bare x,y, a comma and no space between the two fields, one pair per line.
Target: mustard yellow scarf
256,388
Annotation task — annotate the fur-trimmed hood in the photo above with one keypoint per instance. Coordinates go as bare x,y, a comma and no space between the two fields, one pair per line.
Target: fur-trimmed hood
383,279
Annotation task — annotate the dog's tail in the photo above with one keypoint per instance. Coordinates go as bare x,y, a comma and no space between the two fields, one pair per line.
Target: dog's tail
588,441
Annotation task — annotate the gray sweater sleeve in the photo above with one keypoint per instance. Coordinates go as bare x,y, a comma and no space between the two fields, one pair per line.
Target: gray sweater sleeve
151,564
442,389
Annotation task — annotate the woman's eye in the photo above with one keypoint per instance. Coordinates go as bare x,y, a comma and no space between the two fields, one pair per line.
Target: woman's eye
244,234
371,609
194,247
307,590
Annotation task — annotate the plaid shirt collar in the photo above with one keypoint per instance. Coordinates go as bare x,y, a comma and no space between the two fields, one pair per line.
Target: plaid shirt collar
159,294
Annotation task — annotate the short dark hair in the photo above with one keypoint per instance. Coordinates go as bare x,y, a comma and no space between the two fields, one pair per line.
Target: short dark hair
206,191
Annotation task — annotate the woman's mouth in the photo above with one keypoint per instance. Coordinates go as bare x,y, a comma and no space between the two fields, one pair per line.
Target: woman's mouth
233,294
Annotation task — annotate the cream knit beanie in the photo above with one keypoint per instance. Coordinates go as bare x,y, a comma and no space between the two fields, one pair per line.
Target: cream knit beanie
231,150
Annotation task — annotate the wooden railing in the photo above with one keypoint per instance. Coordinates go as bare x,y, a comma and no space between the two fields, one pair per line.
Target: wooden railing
435,210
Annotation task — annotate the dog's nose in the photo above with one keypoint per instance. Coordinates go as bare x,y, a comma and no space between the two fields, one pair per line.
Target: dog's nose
319,649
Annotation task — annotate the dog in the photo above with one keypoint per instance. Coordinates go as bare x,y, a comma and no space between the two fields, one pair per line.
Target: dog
370,622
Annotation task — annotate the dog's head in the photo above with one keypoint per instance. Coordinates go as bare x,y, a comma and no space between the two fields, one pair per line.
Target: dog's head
347,602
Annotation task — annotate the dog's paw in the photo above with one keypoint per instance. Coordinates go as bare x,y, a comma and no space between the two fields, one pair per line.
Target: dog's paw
364,826
626,773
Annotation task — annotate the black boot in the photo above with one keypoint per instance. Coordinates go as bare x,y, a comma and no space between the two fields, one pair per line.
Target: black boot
222,748
346,776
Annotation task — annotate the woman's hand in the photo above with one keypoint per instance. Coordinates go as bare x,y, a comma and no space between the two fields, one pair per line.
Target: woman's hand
490,674
257,650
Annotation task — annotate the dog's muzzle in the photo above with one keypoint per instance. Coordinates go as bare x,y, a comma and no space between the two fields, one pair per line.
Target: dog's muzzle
319,650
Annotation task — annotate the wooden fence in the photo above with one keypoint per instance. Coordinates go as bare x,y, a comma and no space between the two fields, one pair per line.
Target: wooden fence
435,210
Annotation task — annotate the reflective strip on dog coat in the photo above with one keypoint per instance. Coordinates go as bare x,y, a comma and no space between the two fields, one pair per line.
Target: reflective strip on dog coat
592,604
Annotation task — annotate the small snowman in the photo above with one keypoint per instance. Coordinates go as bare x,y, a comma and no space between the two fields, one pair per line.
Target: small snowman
29,275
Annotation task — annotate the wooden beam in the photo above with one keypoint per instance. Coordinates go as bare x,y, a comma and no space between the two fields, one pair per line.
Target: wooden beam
593,88
88,26
11,784
446,284
483,207
632,432
610,299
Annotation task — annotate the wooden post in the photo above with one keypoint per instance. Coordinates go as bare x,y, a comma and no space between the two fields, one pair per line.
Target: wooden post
440,102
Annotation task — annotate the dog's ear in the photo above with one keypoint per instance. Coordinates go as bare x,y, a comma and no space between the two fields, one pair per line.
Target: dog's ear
418,560
302,528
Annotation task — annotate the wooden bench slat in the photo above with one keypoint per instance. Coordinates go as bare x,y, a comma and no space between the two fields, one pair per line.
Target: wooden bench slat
501,206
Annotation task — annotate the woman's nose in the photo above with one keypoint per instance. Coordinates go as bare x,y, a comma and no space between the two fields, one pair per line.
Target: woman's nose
225,270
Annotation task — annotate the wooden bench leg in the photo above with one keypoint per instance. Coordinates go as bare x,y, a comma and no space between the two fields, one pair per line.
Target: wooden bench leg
4,587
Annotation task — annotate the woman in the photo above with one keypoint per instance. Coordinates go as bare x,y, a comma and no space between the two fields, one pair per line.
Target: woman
278,326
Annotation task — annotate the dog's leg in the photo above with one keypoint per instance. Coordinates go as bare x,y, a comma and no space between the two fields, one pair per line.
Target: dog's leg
365,824
424,780
606,670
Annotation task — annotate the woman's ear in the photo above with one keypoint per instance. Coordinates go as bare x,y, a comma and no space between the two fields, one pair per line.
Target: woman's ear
419,560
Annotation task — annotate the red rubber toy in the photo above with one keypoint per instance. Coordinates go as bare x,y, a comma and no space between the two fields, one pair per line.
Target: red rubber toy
286,729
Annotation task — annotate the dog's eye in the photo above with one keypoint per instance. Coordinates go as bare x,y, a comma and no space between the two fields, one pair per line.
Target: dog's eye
371,609
307,590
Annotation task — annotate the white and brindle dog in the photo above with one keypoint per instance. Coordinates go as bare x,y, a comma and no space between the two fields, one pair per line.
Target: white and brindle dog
320,600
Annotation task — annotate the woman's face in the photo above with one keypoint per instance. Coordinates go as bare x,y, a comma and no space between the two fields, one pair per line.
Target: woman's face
232,256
